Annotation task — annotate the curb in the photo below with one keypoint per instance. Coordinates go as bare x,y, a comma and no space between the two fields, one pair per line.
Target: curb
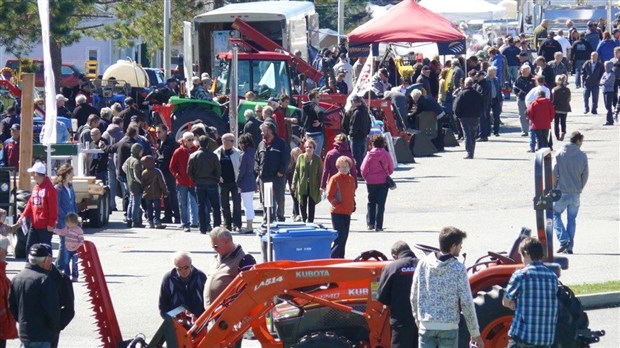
601,300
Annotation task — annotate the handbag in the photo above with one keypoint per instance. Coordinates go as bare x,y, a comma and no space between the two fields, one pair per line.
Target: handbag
391,184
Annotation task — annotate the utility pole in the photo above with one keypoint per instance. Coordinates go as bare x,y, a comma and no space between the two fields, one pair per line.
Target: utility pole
609,26
340,20
167,39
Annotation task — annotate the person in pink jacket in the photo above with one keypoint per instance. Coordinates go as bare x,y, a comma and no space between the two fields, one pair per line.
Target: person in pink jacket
376,168
74,238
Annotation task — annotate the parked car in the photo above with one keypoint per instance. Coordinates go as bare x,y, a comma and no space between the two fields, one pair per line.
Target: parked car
69,73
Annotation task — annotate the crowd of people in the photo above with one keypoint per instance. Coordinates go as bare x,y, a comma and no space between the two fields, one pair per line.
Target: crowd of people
208,183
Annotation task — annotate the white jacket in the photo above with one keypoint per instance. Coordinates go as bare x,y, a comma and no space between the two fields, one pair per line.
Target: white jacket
235,157
438,287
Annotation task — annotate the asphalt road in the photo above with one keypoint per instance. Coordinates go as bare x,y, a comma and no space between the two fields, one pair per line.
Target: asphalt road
489,197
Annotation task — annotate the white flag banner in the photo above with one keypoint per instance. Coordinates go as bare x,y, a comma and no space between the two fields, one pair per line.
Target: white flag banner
49,137
188,61
362,81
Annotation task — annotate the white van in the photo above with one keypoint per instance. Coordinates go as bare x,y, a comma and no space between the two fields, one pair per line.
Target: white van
291,24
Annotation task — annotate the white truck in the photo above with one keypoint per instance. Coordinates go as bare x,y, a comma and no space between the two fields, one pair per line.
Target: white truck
291,24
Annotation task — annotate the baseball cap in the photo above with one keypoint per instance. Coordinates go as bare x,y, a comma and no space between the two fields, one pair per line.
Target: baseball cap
16,126
60,97
37,167
40,250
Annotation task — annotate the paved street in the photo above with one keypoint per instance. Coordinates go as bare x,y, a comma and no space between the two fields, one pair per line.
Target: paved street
489,197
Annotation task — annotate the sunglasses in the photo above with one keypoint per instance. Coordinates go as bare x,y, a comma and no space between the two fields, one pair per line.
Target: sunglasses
184,268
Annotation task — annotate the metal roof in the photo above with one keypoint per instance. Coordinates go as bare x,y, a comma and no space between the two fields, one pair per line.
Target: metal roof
260,11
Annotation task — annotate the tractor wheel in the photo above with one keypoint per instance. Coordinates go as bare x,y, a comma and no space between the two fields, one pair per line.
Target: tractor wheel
494,319
323,340
571,319
185,116
19,251
99,217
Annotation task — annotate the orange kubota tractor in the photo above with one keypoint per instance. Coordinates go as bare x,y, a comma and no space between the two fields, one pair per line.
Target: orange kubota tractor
333,302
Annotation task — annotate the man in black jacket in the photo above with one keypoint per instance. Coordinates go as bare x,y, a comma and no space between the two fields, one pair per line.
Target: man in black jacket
579,53
356,124
182,286
523,85
66,298
123,152
272,157
545,70
131,109
252,126
395,290
483,86
592,71
312,121
548,47
205,170
165,149
83,110
34,299
468,108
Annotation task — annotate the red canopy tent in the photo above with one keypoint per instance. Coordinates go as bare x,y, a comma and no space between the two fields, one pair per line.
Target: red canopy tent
408,22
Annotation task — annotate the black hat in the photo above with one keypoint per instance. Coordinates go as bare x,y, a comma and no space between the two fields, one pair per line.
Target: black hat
523,54
16,126
40,250
172,79
426,67
481,73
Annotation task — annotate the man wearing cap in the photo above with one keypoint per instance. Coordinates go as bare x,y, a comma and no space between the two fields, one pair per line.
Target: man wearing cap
85,91
10,118
131,109
42,208
61,109
424,81
272,159
10,149
34,299
199,92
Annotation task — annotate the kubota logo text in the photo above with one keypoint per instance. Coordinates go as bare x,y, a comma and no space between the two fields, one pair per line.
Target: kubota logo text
311,274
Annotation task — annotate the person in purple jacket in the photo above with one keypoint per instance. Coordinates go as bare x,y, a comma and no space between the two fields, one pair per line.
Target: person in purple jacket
376,168
341,148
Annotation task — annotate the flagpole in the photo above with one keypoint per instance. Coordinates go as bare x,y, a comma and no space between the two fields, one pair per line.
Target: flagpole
372,65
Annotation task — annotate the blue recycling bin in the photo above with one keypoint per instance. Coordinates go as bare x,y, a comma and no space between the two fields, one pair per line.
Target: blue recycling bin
300,244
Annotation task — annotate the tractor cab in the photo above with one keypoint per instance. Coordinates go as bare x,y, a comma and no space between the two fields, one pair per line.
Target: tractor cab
264,73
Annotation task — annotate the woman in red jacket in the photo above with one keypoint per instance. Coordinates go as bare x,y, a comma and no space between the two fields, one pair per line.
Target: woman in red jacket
341,195
541,113
41,209
8,328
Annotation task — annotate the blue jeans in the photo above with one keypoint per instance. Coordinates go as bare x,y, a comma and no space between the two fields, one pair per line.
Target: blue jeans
208,200
341,223
377,196
70,261
587,91
133,211
578,66
570,203
153,206
112,184
358,147
35,345
188,195
438,338
513,73
62,257
532,138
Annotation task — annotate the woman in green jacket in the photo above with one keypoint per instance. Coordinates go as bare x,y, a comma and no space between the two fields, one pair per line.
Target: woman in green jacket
307,180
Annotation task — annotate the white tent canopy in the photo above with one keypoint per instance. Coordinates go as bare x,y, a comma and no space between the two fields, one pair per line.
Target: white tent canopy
465,10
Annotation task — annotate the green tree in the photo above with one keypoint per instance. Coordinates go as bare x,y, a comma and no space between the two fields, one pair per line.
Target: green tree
20,26
143,20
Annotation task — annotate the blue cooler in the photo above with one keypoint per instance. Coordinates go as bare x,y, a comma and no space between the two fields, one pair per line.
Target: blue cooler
301,243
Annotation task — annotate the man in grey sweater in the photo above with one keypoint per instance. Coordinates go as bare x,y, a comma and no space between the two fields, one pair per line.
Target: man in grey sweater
570,175
439,284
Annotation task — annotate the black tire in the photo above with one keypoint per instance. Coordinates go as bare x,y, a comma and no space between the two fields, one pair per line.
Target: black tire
571,319
99,217
323,340
196,113
493,318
